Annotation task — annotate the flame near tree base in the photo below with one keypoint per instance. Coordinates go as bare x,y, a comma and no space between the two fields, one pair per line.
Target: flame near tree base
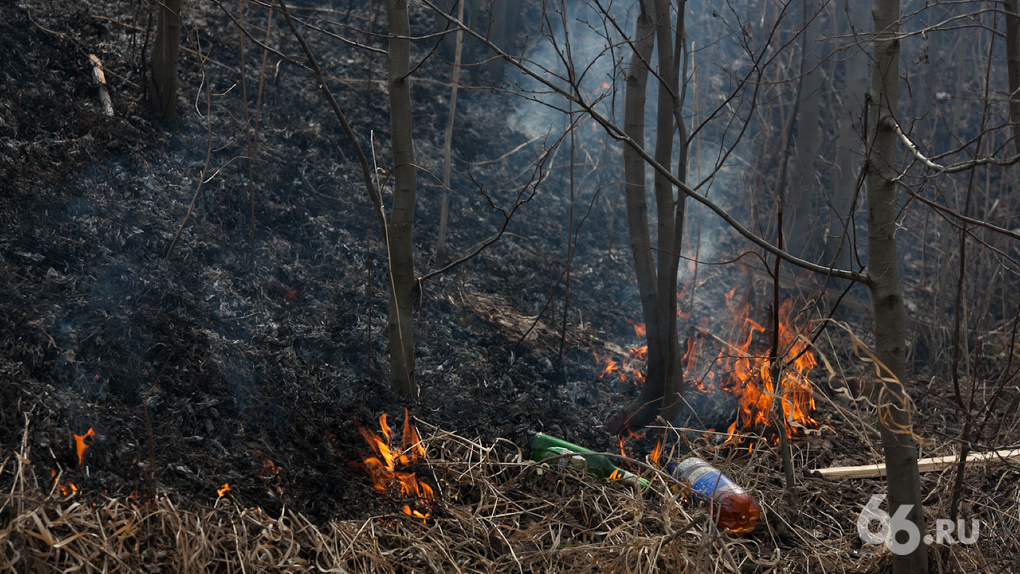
739,378
387,468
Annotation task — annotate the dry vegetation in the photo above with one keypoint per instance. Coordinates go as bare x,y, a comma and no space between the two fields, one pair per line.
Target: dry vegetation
496,511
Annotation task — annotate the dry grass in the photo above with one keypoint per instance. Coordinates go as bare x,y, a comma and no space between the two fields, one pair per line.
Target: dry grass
495,512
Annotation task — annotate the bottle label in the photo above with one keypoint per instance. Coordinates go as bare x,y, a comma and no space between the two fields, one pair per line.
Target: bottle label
576,462
709,483
704,479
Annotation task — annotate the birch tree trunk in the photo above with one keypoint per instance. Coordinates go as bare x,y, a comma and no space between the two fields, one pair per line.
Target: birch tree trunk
904,482
401,224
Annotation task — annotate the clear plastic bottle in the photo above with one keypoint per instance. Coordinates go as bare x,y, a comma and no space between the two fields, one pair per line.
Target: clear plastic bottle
734,509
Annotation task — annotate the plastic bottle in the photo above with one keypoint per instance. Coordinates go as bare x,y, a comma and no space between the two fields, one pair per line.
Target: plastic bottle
734,509
545,446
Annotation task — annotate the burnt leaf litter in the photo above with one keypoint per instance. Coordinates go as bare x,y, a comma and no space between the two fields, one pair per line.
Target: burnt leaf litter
266,346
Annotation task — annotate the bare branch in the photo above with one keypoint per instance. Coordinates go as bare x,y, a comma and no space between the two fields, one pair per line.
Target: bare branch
952,168
617,133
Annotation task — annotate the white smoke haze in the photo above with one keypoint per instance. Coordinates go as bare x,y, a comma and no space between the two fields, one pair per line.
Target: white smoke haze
590,31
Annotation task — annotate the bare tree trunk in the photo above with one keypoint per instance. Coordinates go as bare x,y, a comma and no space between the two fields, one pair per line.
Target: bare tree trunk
444,208
904,482
670,208
799,213
647,404
401,225
848,146
1013,67
657,276
165,51
499,32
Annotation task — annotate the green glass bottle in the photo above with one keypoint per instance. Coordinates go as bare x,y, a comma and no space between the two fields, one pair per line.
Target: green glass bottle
545,446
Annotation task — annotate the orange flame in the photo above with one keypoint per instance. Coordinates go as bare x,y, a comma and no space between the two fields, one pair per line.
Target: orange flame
79,440
269,472
744,371
67,488
629,368
223,490
611,366
382,468
653,456
270,475
751,379
690,355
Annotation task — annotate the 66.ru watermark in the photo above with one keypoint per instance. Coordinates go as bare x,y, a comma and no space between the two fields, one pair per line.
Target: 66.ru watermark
946,531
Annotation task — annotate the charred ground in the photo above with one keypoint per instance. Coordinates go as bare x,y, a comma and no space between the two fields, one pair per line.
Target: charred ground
264,345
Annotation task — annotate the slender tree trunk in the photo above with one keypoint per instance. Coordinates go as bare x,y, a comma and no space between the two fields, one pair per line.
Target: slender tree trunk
670,210
848,146
904,483
165,51
801,225
1013,67
644,408
401,225
498,34
656,274
444,207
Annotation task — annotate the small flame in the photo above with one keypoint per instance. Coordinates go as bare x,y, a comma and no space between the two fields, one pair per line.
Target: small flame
79,440
223,490
385,428
653,456
611,366
67,488
270,475
383,467
629,368
270,471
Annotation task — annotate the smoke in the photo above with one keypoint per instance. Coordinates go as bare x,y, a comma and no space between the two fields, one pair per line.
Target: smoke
591,34
578,32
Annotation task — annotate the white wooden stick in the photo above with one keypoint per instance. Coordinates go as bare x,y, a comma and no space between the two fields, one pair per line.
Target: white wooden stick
923,465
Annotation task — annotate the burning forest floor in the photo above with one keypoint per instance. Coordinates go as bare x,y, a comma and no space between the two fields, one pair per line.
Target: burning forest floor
253,353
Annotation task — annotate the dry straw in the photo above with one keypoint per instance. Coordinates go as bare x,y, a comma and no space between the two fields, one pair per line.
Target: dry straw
495,512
